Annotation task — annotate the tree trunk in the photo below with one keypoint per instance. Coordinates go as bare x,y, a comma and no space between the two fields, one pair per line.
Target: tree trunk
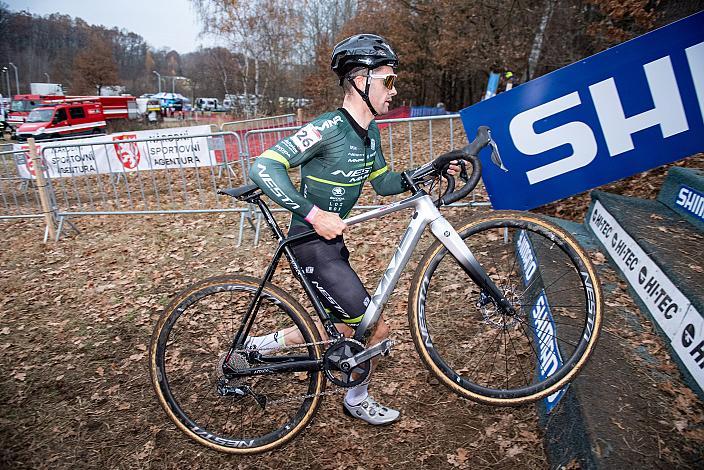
538,40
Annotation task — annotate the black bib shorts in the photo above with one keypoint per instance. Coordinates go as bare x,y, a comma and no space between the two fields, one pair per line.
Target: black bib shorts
326,264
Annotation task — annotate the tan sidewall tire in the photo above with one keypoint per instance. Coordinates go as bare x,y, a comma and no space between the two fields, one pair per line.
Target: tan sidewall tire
291,304
413,314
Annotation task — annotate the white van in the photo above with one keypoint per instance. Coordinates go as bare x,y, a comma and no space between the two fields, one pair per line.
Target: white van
207,104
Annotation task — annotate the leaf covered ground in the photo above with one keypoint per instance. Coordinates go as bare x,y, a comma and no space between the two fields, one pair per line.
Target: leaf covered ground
75,322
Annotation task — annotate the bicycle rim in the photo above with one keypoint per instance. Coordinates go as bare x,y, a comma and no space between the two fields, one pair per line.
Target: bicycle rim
497,358
188,347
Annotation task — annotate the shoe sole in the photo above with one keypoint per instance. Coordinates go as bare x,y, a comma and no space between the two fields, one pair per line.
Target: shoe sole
349,413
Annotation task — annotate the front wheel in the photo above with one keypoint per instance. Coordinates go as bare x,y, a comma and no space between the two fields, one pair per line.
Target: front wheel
486,354
247,414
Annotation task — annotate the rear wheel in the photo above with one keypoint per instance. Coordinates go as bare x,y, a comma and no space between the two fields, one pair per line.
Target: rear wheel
243,414
493,357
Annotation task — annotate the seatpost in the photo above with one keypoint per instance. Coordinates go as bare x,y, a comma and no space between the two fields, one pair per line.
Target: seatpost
269,217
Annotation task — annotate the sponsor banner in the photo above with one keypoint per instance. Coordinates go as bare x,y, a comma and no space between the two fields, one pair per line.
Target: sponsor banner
690,201
625,110
528,261
115,154
689,344
665,302
549,358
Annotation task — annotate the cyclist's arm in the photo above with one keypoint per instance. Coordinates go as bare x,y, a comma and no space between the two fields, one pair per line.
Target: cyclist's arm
384,181
270,170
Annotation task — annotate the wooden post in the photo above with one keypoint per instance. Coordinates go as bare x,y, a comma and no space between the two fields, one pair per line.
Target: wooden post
299,116
43,187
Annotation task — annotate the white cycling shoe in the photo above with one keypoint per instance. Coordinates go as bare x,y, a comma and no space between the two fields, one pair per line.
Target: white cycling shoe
371,412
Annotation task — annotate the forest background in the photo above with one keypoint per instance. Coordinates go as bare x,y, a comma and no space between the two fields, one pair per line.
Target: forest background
275,48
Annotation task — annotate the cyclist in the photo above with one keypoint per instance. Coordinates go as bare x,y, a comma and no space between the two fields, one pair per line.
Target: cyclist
337,152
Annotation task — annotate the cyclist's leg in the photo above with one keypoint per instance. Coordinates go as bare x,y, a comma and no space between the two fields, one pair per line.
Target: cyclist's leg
331,273
323,261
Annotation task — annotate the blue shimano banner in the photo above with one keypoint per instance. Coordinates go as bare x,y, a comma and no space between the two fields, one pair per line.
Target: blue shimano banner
625,110
542,321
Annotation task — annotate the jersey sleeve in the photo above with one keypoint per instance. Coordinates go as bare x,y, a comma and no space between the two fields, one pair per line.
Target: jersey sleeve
270,170
384,181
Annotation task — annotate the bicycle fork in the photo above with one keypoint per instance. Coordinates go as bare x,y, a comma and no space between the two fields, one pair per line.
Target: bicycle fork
449,237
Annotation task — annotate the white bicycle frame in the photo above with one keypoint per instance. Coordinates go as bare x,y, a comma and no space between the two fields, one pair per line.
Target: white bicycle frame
425,214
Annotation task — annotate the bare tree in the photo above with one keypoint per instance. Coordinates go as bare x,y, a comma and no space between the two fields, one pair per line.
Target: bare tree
94,67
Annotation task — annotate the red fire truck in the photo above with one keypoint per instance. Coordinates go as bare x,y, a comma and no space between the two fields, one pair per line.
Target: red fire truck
64,119
22,105
112,107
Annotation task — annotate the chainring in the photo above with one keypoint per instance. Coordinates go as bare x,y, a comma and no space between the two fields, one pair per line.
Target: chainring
341,351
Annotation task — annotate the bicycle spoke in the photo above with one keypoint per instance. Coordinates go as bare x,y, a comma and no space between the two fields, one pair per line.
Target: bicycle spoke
505,350
547,333
483,355
198,339
518,338
513,346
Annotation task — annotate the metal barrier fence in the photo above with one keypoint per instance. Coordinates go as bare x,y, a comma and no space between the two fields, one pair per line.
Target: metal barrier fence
19,196
180,176
259,123
183,173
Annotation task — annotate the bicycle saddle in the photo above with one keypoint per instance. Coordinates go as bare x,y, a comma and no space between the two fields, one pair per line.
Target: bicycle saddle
242,192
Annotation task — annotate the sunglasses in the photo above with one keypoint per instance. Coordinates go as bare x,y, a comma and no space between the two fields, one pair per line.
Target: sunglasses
389,79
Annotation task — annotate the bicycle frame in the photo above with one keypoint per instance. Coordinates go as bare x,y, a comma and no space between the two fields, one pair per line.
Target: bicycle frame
425,213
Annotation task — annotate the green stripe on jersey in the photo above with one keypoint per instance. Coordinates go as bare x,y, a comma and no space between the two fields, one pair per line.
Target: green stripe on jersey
333,183
378,172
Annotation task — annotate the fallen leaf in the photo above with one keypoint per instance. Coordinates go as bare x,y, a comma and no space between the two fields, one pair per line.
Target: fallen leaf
514,451
680,424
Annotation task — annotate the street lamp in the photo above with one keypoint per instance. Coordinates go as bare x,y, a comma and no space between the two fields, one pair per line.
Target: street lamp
7,79
48,80
17,81
159,76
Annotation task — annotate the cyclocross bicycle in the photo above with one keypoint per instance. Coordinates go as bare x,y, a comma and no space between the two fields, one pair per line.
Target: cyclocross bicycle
503,310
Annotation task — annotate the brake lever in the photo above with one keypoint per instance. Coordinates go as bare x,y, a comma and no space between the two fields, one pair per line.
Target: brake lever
448,190
463,172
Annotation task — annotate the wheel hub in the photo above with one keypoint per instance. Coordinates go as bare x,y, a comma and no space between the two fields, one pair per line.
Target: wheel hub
496,316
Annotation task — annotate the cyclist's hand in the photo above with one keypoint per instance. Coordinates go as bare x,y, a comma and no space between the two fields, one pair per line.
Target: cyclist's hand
454,168
328,224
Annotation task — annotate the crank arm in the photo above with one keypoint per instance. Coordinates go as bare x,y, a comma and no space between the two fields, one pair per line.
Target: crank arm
382,348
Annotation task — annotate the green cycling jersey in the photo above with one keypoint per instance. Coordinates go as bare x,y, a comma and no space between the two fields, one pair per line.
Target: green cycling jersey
336,157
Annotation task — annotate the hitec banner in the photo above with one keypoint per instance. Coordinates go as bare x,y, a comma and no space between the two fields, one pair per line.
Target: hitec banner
630,108
113,154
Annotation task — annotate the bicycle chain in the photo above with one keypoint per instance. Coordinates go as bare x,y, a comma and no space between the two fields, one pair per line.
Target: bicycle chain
337,389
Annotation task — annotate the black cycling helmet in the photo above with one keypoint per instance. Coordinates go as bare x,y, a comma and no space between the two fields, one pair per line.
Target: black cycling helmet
361,50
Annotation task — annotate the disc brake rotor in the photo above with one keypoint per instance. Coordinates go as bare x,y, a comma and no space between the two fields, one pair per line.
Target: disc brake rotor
495,317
